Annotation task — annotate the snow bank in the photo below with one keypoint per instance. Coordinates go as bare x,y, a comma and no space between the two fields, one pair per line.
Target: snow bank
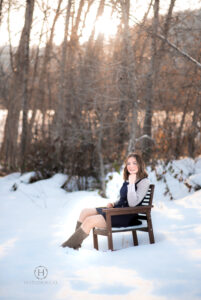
36,218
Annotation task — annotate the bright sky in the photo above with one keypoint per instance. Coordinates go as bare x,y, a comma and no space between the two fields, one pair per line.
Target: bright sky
106,24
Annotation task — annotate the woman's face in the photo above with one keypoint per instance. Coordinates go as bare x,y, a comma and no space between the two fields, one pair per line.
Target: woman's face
132,165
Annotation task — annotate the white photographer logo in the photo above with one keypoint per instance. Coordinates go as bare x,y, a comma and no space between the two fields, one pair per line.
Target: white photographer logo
40,272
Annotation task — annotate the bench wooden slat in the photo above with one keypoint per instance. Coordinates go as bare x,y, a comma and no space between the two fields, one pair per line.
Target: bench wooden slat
103,231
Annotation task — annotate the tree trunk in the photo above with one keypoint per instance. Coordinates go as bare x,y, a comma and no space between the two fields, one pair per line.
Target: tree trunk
127,84
25,43
101,161
194,129
1,5
150,89
178,146
17,92
39,100
59,119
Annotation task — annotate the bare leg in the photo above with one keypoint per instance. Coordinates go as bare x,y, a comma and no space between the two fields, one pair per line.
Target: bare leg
90,221
93,221
86,212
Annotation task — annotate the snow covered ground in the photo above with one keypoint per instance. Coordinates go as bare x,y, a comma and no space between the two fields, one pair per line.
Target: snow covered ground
36,218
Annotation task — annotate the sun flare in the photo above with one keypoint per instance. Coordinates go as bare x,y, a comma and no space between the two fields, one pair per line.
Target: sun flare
107,26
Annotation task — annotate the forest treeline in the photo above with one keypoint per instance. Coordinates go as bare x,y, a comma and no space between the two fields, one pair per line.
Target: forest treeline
79,108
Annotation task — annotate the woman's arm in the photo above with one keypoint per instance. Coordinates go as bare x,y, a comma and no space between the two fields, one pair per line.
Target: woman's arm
135,197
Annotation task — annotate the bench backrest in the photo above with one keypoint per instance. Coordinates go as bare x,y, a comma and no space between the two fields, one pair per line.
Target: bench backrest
147,201
149,196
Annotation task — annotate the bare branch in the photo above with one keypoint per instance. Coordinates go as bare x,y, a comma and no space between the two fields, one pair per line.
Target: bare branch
181,52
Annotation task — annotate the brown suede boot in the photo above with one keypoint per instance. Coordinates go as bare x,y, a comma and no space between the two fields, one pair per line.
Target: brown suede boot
78,225
76,239
76,228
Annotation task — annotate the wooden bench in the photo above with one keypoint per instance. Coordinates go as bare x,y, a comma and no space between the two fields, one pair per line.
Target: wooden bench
144,214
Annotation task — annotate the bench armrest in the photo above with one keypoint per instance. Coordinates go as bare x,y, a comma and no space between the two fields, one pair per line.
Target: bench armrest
127,210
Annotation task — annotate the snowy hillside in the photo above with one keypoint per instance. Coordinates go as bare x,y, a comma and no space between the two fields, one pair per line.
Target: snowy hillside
36,218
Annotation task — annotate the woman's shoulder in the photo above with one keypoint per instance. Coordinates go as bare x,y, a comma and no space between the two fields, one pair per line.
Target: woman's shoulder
144,181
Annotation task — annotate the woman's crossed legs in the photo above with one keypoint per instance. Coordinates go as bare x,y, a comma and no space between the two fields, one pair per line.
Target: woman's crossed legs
90,218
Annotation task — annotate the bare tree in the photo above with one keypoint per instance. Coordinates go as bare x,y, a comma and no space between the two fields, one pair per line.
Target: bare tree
157,53
92,89
127,83
18,91
1,5
60,116
150,86
45,68
194,128
24,49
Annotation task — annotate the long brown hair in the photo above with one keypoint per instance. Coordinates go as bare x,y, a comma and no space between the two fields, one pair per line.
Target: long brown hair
141,166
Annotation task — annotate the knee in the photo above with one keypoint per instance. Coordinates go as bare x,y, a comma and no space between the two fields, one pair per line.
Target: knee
84,212
89,221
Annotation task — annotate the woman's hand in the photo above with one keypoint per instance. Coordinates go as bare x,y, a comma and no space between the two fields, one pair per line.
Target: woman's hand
110,205
132,178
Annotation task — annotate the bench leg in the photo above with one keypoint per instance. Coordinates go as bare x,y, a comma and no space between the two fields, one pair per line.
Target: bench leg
150,230
110,242
95,239
135,239
109,231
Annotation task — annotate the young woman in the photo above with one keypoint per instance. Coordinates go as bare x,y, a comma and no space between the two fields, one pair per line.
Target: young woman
132,193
